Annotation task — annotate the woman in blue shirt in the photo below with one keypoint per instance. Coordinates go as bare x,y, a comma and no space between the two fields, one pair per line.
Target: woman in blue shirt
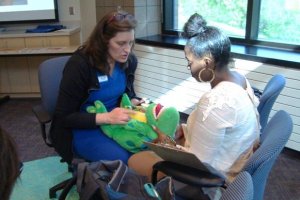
101,69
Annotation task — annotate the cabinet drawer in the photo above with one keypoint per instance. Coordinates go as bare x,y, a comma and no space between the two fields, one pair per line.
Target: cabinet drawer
51,41
12,43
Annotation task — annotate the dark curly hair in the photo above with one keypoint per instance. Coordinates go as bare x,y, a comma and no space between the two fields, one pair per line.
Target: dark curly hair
9,165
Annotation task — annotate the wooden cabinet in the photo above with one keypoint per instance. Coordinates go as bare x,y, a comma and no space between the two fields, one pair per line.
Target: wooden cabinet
18,75
19,72
4,81
12,43
52,41
33,66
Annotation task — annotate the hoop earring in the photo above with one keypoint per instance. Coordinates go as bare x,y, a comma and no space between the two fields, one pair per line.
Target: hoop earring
212,72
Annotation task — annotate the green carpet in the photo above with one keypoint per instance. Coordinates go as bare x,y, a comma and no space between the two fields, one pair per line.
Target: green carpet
40,175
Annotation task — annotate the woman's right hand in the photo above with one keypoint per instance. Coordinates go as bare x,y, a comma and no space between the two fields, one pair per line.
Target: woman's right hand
179,135
179,132
116,116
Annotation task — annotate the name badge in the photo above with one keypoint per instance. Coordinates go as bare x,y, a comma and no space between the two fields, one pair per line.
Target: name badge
102,78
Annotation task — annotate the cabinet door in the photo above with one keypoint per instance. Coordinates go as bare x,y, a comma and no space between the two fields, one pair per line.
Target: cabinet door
32,42
75,39
12,43
33,66
58,41
15,42
51,41
2,44
18,74
4,80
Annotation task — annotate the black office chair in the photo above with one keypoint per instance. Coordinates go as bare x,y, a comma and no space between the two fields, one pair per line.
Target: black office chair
273,139
50,74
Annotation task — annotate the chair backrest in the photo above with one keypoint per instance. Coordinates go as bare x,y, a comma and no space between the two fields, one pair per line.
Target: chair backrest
273,139
240,189
268,98
50,74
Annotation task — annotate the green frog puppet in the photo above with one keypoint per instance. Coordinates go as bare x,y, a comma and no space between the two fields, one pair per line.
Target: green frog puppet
138,129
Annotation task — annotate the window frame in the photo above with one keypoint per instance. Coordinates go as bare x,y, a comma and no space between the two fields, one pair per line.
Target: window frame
251,31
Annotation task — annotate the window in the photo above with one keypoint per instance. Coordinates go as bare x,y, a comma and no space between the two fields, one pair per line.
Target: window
265,22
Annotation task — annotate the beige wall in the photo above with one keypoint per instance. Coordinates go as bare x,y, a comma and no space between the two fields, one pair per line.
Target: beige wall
63,11
88,12
88,18
147,12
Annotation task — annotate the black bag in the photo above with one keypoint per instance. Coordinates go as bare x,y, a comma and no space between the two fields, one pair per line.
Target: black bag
113,180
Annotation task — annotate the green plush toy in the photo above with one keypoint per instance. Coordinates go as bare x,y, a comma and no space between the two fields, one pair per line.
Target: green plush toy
138,129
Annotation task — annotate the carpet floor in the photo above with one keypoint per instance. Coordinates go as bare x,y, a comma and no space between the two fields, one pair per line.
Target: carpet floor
40,175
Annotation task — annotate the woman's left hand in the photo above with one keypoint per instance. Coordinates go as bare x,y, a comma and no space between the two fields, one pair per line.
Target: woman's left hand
137,102
163,138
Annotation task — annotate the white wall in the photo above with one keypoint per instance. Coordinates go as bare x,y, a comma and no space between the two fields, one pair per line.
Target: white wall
88,17
84,15
63,11
88,12
162,76
147,13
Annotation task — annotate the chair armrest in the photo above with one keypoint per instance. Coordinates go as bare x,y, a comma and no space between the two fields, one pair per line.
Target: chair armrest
186,174
257,92
41,114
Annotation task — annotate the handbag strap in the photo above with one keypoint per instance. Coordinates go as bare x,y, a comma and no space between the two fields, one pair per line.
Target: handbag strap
97,175
86,181
120,170
81,169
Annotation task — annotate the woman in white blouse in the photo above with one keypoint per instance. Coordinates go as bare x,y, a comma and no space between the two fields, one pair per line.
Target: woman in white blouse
223,129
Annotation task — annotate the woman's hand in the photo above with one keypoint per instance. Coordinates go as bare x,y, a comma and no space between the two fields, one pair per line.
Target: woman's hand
116,116
179,135
163,138
160,135
137,102
179,132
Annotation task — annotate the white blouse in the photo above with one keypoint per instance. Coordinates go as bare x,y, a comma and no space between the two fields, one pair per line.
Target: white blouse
223,126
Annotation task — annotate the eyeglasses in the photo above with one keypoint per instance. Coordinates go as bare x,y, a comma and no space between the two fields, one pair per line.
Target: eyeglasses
119,17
